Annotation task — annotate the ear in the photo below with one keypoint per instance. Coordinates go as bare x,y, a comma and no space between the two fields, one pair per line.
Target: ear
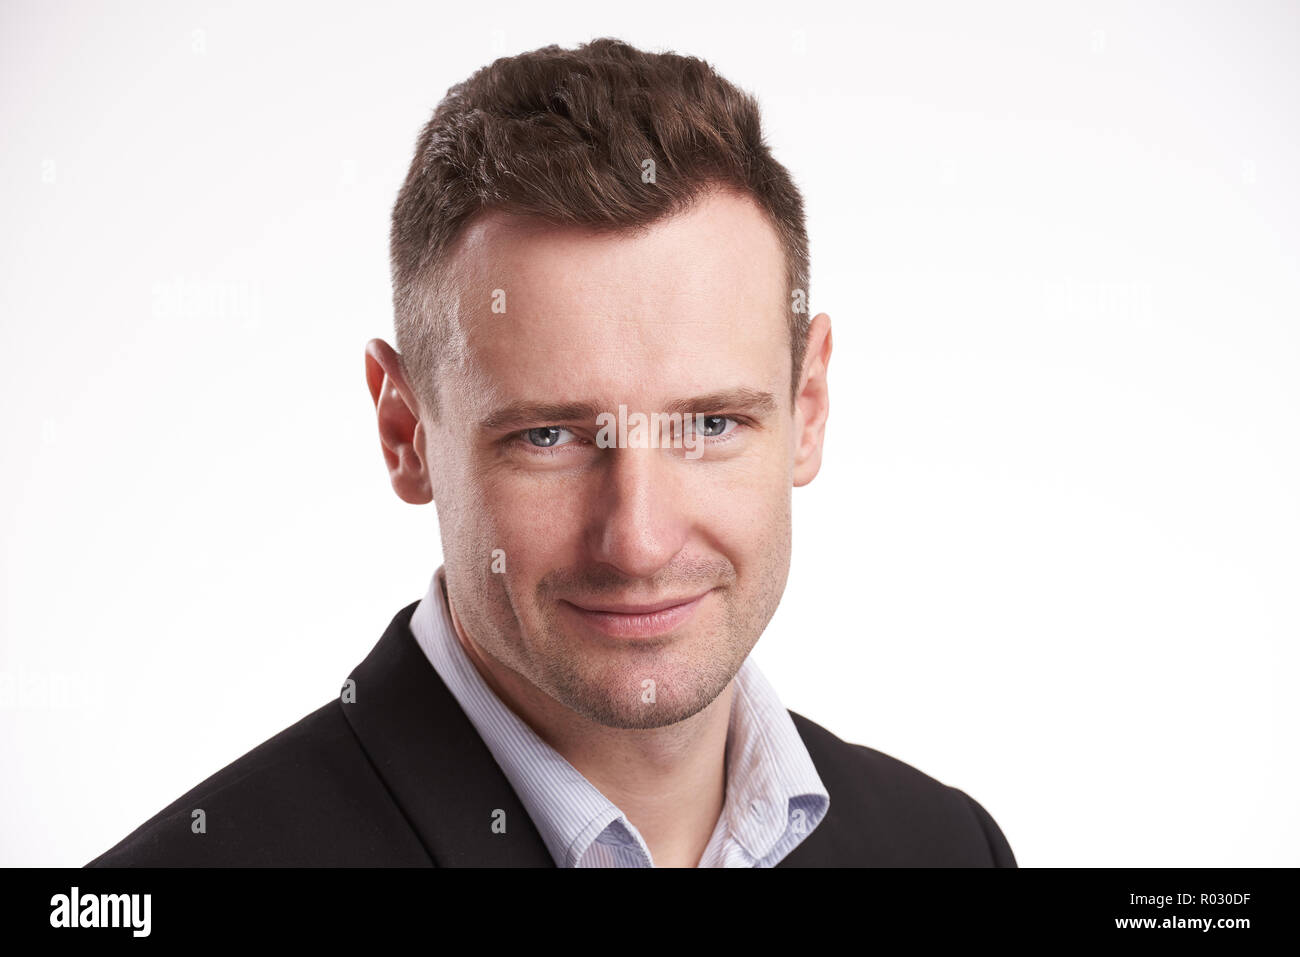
401,434
812,402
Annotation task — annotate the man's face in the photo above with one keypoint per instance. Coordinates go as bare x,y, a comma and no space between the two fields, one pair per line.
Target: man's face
543,527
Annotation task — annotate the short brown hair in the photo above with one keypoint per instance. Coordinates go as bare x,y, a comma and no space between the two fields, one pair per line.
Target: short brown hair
561,135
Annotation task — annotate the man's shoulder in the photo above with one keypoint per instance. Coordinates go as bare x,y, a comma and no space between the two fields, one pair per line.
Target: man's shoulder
307,796
889,813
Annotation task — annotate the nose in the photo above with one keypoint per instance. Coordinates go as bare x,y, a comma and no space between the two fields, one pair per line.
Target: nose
639,520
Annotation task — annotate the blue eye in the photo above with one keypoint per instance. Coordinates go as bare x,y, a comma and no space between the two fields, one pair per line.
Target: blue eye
709,426
715,424
546,437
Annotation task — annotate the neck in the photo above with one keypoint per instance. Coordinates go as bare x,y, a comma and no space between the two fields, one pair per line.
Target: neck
670,782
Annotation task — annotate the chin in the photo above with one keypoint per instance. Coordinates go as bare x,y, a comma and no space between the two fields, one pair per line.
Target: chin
653,693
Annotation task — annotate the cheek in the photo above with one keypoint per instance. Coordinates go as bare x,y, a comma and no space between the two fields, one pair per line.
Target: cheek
536,523
748,516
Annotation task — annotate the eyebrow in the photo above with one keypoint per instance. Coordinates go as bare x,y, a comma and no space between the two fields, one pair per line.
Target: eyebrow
523,414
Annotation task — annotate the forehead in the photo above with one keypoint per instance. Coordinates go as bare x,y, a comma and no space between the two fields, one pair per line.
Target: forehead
693,304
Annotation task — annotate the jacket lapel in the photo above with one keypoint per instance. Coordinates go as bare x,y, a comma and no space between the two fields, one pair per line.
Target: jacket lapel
433,761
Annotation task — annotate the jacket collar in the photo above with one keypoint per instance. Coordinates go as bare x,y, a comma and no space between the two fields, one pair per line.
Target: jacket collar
448,785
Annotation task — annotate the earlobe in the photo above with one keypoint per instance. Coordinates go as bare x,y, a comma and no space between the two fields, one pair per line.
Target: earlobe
400,432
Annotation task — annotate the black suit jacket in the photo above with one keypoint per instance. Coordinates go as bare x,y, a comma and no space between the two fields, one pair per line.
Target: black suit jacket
400,777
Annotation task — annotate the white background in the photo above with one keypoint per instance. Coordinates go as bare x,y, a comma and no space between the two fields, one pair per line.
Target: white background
1051,557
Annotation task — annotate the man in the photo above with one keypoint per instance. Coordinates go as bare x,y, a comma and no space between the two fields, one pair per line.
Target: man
608,384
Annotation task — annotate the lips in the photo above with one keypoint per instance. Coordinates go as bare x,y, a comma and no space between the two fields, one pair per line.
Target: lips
640,620
631,609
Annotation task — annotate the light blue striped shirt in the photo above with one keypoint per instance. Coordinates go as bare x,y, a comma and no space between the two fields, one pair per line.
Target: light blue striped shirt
774,796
